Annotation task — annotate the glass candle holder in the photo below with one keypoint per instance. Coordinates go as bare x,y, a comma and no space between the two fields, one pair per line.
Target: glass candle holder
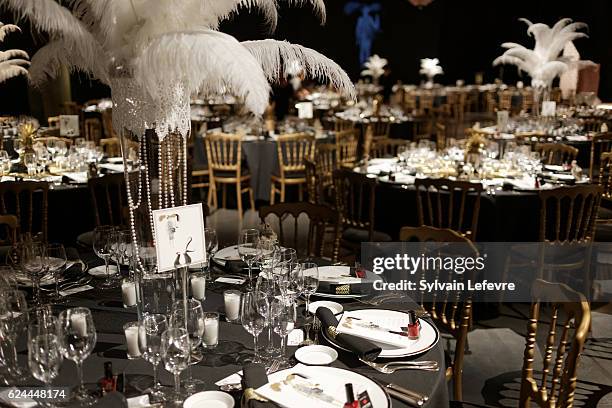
131,337
231,299
198,286
128,292
210,340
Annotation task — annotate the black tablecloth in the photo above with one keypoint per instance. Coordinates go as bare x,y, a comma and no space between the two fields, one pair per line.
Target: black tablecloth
235,345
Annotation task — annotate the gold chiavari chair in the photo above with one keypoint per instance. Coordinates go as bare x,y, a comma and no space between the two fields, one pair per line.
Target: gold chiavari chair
28,201
346,148
592,124
109,199
325,164
600,143
224,154
527,102
451,314
444,203
380,127
422,128
356,200
308,238
9,227
490,101
341,125
111,146
410,101
568,330
604,179
556,153
292,150
426,103
556,95
505,100
93,129
440,135
387,147
53,121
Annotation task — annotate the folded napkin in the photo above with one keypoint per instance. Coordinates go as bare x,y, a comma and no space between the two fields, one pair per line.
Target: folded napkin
235,267
112,400
353,285
363,348
253,377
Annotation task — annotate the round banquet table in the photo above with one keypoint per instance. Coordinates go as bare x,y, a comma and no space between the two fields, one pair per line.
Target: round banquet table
235,344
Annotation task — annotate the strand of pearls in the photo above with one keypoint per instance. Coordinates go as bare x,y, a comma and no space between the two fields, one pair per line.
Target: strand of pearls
184,143
170,148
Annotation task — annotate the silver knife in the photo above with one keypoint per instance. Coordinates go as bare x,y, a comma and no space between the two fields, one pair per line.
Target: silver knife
403,390
413,402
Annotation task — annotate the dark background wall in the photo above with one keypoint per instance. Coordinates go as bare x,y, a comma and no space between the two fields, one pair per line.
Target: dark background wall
464,34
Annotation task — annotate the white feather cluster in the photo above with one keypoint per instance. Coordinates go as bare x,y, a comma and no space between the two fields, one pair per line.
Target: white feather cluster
543,63
430,68
171,44
375,66
12,62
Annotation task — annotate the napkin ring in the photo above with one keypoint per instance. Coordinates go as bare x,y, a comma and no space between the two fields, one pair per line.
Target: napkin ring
343,290
250,394
331,330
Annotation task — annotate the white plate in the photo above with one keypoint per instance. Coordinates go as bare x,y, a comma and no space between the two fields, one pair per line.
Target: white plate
316,355
333,306
24,280
553,167
332,380
100,271
229,253
209,399
429,334
340,275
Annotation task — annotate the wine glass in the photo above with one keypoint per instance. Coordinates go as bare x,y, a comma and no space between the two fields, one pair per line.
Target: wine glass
284,316
29,160
14,320
77,338
44,352
252,321
247,249
266,290
150,330
191,320
19,146
55,263
120,241
32,255
310,277
175,350
102,245
212,245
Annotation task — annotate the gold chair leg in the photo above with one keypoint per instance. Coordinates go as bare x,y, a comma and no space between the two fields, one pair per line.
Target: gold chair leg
224,196
212,194
239,198
272,192
282,192
251,199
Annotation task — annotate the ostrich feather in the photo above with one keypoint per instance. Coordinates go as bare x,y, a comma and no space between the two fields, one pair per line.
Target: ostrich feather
277,58
430,67
48,60
375,66
204,60
5,55
8,71
6,29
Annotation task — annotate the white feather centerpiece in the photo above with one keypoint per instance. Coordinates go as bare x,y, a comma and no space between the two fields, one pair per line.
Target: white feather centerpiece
12,62
430,68
375,67
543,63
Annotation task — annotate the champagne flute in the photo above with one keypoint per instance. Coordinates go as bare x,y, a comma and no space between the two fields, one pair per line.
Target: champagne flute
247,249
212,245
310,277
102,245
55,261
77,338
175,352
266,291
252,321
191,320
150,330
284,316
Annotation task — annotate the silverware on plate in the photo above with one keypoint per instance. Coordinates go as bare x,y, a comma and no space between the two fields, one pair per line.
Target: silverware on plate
387,369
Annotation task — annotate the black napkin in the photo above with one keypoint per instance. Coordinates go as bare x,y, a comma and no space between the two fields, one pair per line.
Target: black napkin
112,400
362,288
363,348
76,270
253,377
235,267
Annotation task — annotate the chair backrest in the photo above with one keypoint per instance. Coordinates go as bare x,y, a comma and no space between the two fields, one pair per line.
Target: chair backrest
306,236
601,143
592,124
527,104
28,201
387,147
380,127
312,182
451,313
224,152
341,124
111,146
440,135
569,327
108,197
604,178
293,150
53,121
556,153
346,148
355,199
505,100
93,129
426,102
444,203
567,214
9,230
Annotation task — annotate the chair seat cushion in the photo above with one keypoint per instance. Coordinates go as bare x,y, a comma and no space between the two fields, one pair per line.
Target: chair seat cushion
230,174
361,235
86,239
290,175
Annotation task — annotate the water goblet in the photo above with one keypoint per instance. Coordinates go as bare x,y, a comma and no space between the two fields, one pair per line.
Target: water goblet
247,249
150,330
175,350
102,245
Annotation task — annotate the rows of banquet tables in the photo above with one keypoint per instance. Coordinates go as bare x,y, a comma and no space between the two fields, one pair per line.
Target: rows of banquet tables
235,345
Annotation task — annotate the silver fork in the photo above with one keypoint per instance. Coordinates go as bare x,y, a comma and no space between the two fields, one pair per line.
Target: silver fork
238,386
383,368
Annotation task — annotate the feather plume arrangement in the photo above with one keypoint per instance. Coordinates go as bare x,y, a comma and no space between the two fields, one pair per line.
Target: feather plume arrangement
170,47
12,62
375,67
543,63
430,68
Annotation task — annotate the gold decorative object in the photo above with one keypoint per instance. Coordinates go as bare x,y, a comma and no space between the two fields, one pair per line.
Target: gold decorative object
475,148
27,132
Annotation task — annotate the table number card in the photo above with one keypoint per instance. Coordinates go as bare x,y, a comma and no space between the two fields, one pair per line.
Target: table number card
305,110
179,236
69,125
549,108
